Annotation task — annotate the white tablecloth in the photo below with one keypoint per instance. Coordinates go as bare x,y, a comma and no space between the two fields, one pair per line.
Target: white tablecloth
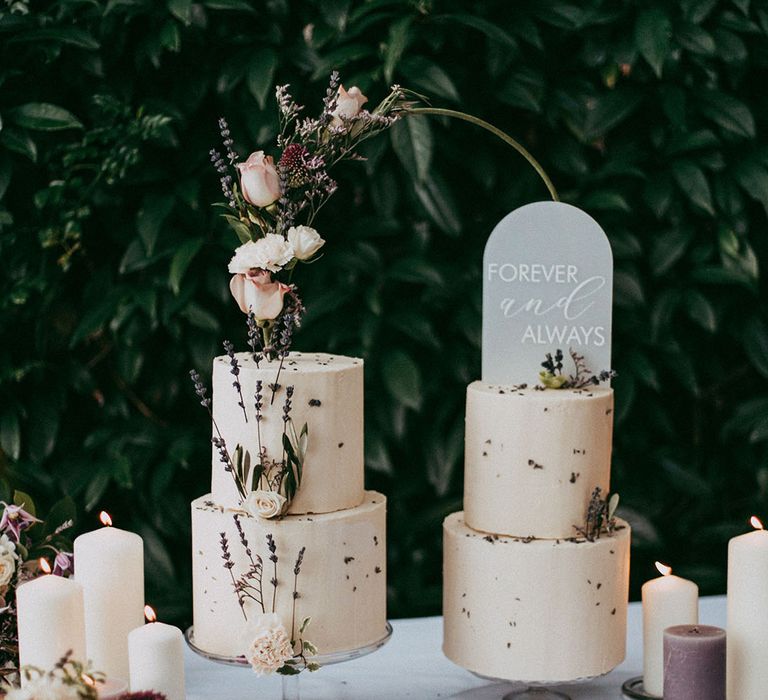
412,665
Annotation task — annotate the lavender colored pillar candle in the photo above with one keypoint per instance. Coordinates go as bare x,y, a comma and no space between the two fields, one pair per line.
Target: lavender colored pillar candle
694,663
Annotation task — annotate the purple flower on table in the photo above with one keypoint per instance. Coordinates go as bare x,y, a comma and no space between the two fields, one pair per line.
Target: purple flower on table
63,563
15,520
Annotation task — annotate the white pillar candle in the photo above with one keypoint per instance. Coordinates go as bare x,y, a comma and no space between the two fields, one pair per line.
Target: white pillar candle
109,564
157,659
668,600
747,647
50,621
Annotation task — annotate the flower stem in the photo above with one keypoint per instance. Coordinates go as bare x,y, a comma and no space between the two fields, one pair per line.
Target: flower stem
440,112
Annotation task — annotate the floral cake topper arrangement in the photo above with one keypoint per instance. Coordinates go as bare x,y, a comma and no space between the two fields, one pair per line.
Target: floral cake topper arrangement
272,201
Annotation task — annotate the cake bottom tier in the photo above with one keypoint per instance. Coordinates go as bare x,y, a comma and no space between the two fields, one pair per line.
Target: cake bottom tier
341,586
540,610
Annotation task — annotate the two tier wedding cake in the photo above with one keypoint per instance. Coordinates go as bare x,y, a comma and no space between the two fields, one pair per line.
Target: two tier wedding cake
536,567
289,550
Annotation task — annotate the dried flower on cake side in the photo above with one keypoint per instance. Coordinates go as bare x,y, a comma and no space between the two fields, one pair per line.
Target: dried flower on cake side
553,377
269,646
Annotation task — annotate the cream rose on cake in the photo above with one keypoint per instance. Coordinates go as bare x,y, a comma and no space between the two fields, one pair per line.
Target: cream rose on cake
267,645
265,504
305,240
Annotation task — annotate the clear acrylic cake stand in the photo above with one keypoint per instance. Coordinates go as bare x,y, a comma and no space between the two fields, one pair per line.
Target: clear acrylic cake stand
291,683
535,690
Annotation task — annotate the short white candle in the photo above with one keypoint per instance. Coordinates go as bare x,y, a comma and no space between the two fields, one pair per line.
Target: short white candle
157,658
109,564
50,621
747,647
668,600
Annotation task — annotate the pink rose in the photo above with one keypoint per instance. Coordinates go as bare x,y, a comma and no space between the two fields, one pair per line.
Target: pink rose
259,181
348,104
255,291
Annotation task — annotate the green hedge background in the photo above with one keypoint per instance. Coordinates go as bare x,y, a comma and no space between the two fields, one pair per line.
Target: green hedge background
650,116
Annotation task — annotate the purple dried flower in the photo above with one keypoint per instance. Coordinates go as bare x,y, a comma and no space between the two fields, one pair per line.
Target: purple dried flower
63,563
15,520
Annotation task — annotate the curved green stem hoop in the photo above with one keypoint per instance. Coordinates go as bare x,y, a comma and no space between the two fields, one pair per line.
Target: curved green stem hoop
440,112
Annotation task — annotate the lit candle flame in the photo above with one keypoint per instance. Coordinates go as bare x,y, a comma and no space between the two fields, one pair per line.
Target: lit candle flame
45,566
105,519
664,570
149,613
756,523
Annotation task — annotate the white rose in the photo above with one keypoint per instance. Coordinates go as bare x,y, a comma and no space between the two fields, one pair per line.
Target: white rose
267,644
305,241
265,504
7,545
7,568
271,253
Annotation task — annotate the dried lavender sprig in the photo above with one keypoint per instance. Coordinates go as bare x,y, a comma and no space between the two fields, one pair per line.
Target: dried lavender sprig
296,572
235,371
257,566
229,565
224,177
272,546
218,439
331,98
227,141
254,337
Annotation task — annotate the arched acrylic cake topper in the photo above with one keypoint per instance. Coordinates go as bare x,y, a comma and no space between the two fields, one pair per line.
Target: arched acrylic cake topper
547,284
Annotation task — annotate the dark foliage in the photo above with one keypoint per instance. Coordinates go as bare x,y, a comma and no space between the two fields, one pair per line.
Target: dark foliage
649,116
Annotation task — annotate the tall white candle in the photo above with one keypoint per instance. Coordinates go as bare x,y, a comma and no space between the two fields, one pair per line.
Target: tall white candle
747,647
109,564
50,621
668,600
157,658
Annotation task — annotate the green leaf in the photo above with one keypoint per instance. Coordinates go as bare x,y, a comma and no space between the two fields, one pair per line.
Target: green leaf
627,289
10,433
19,141
668,248
154,211
755,344
286,670
64,35
606,111
180,262
20,498
304,624
523,89
42,116
653,32
412,141
439,204
399,38
230,5
491,30
700,310
181,10
696,40
242,232
428,77
752,176
6,168
728,113
692,181
402,379
261,75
